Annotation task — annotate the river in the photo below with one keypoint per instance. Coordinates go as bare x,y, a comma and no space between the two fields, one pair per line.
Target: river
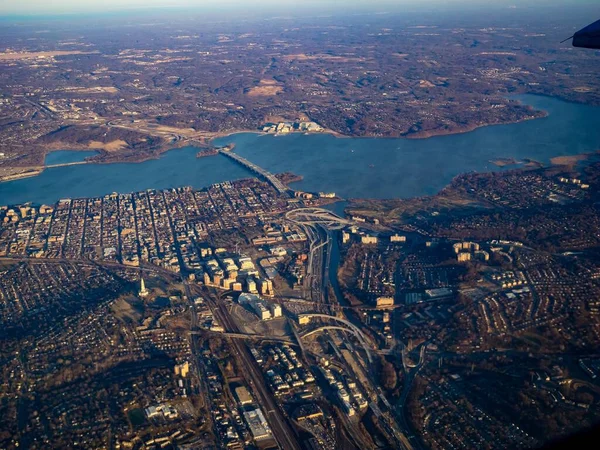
351,167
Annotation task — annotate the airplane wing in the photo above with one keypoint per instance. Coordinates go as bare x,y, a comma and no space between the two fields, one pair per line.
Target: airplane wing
588,37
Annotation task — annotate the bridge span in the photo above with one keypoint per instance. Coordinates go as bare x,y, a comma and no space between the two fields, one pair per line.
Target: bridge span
253,337
72,163
268,176
351,328
328,327
317,216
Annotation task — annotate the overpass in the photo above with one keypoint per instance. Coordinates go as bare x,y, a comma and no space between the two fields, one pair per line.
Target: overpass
407,363
344,329
317,216
352,328
268,176
329,327
255,337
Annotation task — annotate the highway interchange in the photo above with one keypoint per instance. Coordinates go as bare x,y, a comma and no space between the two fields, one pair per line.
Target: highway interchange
319,225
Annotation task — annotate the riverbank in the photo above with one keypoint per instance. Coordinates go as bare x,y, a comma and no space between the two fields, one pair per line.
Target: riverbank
11,173
357,168
20,175
469,128
110,153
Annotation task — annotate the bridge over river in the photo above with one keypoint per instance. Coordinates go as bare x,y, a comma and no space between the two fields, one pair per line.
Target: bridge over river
268,176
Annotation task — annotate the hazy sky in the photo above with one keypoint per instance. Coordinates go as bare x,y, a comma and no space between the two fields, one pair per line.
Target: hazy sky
61,6
283,6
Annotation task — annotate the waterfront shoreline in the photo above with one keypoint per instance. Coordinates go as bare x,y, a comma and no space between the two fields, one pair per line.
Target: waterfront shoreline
109,157
361,168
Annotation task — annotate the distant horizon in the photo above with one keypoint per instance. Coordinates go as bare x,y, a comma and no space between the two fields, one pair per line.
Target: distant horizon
37,8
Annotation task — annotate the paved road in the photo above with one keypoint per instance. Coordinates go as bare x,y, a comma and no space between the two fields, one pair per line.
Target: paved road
272,179
247,337
281,429
74,163
101,263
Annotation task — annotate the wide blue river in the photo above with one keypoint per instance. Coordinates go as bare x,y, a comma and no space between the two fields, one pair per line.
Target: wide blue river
351,167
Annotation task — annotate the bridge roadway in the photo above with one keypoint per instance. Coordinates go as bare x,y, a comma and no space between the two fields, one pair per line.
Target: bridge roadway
317,216
73,163
272,179
338,307
255,337
287,340
328,327
359,334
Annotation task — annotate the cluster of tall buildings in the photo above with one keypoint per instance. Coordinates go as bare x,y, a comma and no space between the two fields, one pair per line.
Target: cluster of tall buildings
289,127
355,234
466,251
263,309
235,272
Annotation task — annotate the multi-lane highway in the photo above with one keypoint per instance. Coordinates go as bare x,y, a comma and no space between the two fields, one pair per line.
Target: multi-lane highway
318,224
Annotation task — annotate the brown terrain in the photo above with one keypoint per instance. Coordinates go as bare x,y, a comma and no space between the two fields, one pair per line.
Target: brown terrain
74,88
